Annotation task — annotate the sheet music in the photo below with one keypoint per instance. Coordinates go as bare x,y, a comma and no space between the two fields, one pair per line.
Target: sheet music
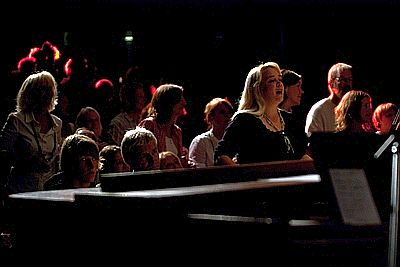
354,197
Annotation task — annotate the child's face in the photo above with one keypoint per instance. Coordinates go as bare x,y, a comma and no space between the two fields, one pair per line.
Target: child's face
170,162
119,163
148,158
88,167
386,121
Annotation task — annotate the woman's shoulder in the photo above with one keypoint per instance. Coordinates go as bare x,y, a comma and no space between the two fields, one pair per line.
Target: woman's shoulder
177,128
245,117
56,119
286,115
147,122
15,116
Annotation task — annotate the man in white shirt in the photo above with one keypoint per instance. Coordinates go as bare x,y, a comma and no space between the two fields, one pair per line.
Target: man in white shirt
321,117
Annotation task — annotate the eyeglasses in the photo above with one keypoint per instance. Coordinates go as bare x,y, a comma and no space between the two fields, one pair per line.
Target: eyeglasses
87,159
344,79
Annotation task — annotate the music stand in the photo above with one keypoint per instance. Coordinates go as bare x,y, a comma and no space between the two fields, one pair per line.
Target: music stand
394,198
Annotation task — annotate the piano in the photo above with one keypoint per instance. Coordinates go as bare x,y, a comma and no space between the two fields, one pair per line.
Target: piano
266,211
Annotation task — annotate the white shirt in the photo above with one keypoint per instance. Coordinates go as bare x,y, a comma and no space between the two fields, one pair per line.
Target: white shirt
201,149
321,117
170,145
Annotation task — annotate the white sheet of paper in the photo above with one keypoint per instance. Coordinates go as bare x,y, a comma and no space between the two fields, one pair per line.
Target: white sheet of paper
354,197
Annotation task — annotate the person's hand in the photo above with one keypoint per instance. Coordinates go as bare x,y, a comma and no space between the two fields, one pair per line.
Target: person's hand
185,158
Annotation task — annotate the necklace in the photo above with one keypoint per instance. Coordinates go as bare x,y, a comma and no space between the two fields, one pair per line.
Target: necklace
270,123
288,144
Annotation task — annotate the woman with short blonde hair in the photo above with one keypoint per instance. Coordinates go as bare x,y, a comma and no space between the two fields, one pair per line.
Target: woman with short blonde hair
32,135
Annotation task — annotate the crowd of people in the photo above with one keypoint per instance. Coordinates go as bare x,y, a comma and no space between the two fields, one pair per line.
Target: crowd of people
63,126
64,130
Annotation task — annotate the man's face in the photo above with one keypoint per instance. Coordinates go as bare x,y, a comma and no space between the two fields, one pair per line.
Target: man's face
342,83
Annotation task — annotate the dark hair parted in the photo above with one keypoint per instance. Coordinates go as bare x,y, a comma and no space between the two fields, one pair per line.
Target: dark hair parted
290,77
164,100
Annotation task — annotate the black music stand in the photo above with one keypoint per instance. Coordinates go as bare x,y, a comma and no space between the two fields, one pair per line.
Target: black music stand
394,198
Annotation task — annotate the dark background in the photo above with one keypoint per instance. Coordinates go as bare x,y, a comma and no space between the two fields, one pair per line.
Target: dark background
208,47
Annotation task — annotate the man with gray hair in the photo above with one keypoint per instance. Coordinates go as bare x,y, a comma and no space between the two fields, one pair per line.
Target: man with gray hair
139,150
321,117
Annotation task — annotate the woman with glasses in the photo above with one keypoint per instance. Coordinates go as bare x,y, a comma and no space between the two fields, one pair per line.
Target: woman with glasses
258,131
79,164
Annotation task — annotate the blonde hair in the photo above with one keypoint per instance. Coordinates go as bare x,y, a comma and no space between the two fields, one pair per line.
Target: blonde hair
38,91
252,100
163,157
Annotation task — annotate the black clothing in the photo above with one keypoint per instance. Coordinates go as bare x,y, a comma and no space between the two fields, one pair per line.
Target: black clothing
247,138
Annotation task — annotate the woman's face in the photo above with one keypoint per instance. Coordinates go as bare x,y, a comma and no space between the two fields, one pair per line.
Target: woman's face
271,85
295,92
366,109
179,109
